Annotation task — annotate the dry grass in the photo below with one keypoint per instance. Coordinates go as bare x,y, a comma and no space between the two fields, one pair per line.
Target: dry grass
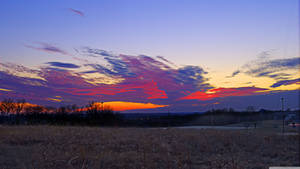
130,148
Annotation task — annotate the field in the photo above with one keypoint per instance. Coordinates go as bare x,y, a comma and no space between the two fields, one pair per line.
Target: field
138,148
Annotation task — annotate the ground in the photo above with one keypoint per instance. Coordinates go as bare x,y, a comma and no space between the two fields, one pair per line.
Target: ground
138,148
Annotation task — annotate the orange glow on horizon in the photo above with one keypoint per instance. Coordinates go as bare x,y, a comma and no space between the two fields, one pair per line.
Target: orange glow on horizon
122,106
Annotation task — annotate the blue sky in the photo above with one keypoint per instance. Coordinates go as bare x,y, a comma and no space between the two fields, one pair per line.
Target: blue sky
218,36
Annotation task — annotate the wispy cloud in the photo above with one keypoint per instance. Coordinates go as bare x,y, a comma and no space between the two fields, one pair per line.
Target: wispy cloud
76,12
166,60
286,82
63,65
95,52
266,68
272,68
5,90
234,73
47,48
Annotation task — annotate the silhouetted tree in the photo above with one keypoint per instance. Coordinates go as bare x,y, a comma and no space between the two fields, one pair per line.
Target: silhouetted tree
19,106
7,106
33,110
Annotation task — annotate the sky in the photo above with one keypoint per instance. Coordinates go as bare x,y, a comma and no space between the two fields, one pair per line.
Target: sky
151,56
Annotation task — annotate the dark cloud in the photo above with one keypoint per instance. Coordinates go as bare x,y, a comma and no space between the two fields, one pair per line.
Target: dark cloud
192,75
234,73
92,71
286,82
166,60
47,48
263,68
76,11
63,65
270,68
96,52
279,76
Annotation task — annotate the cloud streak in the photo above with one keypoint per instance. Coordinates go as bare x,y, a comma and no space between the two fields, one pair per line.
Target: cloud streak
234,73
63,65
45,47
77,12
271,68
286,82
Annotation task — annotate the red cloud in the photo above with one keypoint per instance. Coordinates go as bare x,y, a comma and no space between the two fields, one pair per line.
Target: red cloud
150,88
223,92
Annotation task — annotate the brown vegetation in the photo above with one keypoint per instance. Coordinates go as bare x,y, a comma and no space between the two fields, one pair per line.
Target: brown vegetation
130,148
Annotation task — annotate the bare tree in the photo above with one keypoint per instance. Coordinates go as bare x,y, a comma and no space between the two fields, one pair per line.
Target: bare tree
7,106
34,109
19,106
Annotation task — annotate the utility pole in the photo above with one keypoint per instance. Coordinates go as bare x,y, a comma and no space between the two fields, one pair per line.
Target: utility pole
283,116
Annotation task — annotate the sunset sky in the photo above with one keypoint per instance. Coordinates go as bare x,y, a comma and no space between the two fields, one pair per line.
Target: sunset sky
151,56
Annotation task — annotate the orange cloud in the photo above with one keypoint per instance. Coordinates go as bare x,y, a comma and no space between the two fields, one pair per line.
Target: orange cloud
54,99
6,90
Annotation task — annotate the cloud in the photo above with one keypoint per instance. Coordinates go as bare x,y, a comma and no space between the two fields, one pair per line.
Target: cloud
130,78
20,71
47,48
109,77
166,60
271,68
192,76
63,65
286,82
55,99
77,12
224,92
5,90
60,78
96,52
234,73
277,69
140,71
265,54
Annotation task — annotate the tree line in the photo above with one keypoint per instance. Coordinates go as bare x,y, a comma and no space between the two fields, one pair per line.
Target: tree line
20,112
